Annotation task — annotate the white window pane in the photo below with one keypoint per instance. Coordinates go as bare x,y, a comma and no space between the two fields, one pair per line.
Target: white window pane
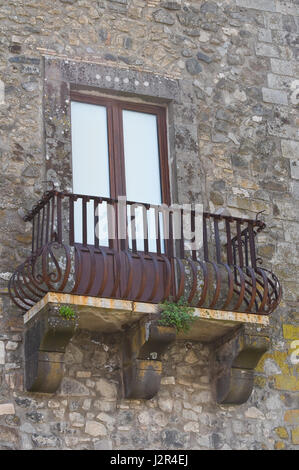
138,227
102,226
90,160
142,166
141,152
97,223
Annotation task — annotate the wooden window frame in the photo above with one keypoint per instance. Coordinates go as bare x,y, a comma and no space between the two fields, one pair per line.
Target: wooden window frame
116,140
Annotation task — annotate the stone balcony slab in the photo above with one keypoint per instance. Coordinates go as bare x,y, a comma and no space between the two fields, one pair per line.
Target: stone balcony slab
112,315
238,340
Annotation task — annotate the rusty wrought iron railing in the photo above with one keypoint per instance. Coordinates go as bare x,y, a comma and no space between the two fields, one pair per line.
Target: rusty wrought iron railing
78,248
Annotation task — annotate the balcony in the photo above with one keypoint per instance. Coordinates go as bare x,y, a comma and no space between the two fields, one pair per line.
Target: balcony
68,257
115,261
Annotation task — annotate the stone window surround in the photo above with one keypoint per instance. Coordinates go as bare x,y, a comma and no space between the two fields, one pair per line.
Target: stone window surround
63,75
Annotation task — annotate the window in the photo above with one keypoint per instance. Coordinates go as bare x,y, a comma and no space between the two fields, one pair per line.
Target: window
118,149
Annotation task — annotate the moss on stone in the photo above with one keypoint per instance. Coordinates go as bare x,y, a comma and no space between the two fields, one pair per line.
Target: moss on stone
286,382
282,432
279,445
292,416
260,381
290,332
280,357
295,435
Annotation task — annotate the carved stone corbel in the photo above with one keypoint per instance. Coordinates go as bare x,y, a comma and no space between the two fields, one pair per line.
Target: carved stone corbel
142,367
46,338
234,361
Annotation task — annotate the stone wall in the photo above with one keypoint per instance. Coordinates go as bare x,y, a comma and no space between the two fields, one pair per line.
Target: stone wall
235,144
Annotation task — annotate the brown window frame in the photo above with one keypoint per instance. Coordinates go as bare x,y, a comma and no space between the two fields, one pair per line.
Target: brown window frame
116,140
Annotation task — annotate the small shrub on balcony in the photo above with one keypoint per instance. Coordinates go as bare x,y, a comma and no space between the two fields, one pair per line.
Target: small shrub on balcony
177,314
67,312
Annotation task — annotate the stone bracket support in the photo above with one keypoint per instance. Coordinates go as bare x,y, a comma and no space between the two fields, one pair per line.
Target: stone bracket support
237,342
46,338
143,346
234,361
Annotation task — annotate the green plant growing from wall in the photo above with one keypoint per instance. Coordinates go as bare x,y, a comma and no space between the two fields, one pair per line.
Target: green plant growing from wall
67,312
176,314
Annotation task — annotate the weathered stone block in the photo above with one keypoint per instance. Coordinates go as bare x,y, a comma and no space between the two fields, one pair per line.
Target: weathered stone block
265,35
82,374
124,2
285,67
165,404
280,129
292,416
265,5
192,426
279,445
287,8
235,59
290,149
2,352
295,189
193,66
11,346
103,444
77,419
287,382
172,438
45,440
161,16
35,416
7,409
204,57
190,415
93,428
282,432
172,5
106,389
266,50
290,332
106,418
168,381
295,435
275,96
73,388
254,413
8,435
279,82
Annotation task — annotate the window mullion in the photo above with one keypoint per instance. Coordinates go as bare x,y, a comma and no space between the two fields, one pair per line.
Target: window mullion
118,142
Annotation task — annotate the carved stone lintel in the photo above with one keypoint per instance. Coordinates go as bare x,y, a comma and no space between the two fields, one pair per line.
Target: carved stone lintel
142,367
46,338
234,364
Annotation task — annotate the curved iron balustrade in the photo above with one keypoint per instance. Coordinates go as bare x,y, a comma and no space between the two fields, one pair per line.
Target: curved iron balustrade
232,281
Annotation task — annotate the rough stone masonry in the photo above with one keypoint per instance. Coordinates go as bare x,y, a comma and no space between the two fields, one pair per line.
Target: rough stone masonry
236,145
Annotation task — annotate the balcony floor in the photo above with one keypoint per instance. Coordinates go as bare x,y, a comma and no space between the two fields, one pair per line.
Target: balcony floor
111,315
